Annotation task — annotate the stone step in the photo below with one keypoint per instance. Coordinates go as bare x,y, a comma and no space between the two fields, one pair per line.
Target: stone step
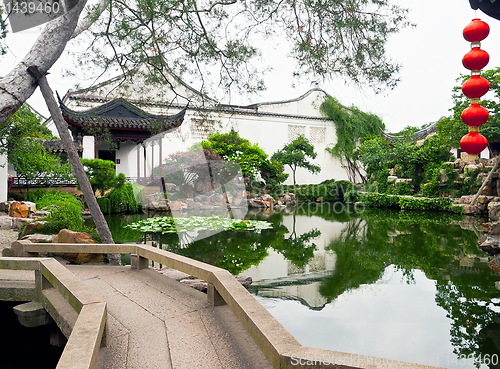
32,314
17,290
60,310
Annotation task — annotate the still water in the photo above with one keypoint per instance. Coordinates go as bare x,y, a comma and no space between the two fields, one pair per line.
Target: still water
398,285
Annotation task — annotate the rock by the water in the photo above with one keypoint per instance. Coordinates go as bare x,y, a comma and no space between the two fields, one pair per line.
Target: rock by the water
495,264
264,201
67,236
494,211
491,245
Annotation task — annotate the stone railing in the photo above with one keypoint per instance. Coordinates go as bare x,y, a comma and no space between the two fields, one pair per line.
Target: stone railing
279,346
56,287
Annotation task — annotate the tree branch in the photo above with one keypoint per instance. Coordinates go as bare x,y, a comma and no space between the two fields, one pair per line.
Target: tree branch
85,22
17,86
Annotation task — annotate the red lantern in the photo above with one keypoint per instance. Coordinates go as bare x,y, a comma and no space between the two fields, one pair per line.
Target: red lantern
476,31
475,115
473,143
476,59
475,87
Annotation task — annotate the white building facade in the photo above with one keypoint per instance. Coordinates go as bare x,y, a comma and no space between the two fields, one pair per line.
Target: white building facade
271,125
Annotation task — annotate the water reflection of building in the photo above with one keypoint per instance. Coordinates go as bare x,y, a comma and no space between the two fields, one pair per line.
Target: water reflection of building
278,277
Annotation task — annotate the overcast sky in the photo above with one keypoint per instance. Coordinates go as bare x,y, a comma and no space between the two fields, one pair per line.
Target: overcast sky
430,54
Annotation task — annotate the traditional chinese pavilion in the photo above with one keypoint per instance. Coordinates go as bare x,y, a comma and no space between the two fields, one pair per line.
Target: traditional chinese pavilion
126,122
127,129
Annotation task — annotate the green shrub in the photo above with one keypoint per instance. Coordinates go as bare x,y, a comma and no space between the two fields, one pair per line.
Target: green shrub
35,195
327,191
43,197
430,189
104,204
63,215
380,200
122,199
65,211
400,188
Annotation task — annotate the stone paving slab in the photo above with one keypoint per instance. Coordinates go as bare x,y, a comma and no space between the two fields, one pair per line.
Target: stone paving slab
156,322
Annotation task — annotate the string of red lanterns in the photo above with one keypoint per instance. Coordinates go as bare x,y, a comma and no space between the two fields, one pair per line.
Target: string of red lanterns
474,88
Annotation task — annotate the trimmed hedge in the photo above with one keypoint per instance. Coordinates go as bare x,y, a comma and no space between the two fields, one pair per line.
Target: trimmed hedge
382,200
327,191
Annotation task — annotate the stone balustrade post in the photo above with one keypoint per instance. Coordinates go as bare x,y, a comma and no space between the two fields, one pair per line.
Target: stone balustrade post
213,296
138,262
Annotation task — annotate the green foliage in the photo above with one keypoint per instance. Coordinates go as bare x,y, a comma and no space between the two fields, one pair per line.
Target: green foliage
122,200
43,198
296,154
327,191
63,215
233,147
65,211
32,161
326,38
352,125
253,161
407,159
194,223
382,200
101,173
104,205
20,138
400,188
22,124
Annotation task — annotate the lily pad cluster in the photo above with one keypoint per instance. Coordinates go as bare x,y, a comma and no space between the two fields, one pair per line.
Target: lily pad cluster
194,223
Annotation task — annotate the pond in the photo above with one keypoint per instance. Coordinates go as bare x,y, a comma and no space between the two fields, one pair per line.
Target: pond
392,284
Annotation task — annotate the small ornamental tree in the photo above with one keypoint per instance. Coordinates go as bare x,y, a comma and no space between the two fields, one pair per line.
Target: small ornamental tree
253,161
101,173
296,154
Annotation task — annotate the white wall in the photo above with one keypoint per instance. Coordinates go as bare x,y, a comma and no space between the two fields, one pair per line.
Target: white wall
88,147
271,133
3,178
270,125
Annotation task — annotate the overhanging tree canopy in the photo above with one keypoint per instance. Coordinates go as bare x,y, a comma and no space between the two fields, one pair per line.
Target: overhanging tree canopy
192,38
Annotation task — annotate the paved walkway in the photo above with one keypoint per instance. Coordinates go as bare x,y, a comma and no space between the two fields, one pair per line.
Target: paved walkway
155,322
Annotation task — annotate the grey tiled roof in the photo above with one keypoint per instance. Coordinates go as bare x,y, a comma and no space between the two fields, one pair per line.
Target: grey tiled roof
119,114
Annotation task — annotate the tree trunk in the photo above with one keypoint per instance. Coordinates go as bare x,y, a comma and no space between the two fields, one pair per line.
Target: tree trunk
17,86
81,176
